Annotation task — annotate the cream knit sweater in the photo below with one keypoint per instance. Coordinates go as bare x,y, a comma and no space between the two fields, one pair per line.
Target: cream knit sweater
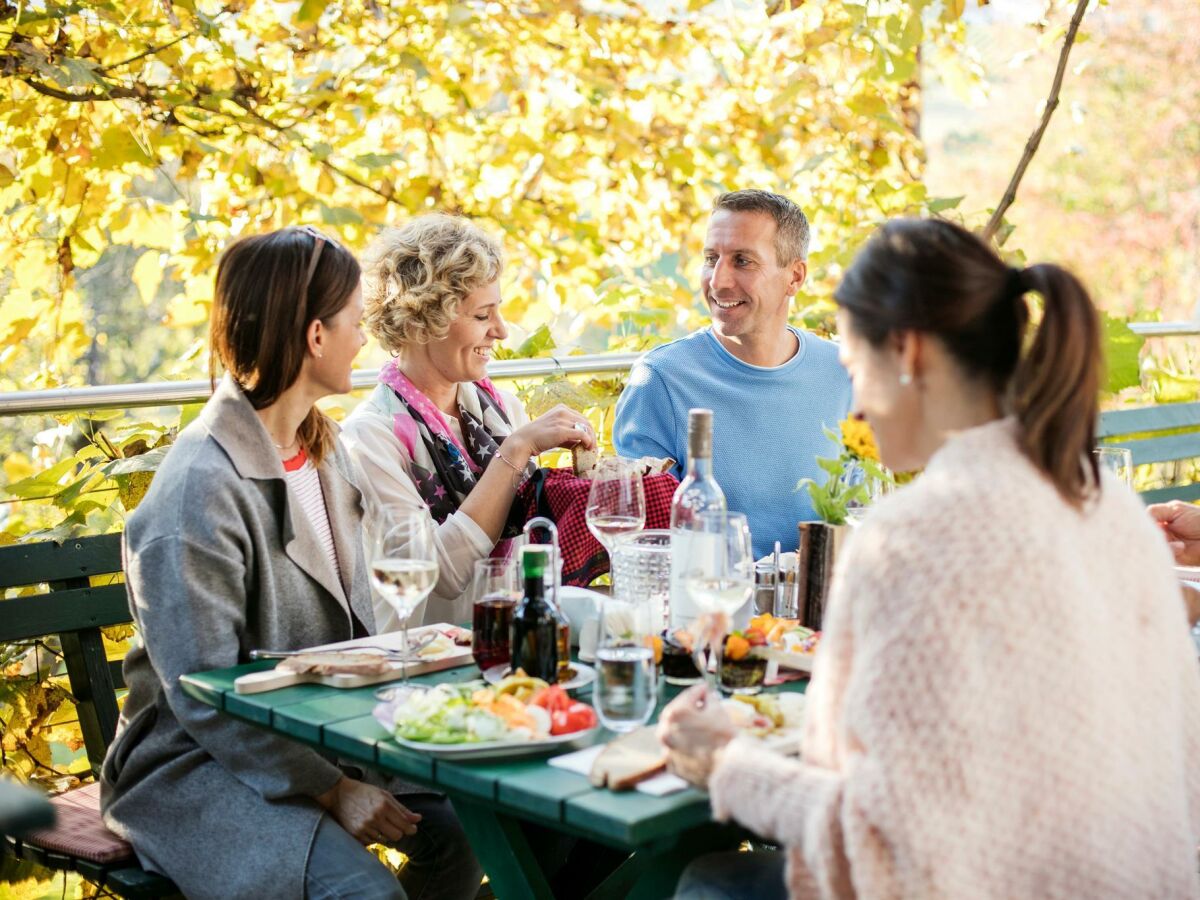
1006,702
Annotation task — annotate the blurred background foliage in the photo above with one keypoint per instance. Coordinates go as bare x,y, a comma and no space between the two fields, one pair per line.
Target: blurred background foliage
141,136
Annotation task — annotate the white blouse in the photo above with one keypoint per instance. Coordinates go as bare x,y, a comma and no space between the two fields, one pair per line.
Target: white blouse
384,463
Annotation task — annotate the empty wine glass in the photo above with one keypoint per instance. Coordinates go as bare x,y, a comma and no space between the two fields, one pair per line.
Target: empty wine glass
616,503
718,573
626,692
404,566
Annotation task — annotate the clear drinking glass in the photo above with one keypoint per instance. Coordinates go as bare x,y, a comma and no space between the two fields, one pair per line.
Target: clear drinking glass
641,567
718,573
626,691
404,567
875,489
1119,460
616,503
495,591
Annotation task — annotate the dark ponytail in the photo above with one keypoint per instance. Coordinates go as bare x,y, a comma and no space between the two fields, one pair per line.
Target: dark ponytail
933,276
1057,382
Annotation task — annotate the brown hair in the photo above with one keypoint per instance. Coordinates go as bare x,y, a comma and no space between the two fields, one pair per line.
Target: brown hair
933,276
791,225
270,288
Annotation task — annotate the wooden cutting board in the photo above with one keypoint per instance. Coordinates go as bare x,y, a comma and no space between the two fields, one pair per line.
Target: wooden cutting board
273,679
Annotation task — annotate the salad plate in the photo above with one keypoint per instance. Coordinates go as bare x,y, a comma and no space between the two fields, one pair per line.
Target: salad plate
517,717
504,749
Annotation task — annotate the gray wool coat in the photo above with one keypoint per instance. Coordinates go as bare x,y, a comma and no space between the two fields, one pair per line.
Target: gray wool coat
219,561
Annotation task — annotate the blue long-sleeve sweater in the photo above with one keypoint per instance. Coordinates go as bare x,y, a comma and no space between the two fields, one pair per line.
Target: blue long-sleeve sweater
767,423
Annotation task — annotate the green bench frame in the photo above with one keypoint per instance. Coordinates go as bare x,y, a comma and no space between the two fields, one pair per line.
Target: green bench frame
1169,432
75,610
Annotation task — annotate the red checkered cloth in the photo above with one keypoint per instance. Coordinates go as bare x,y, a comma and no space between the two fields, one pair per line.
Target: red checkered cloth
79,830
561,496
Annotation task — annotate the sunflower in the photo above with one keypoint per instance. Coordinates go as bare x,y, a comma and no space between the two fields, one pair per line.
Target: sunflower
859,440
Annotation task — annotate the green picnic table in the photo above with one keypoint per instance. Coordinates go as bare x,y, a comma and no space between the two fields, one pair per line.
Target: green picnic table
492,799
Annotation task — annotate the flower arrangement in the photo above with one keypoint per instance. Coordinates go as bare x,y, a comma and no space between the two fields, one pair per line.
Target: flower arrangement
853,478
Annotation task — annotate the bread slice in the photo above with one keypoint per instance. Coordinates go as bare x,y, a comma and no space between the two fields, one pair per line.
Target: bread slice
337,663
629,759
584,460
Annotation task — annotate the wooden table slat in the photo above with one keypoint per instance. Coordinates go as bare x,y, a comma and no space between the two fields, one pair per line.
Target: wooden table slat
541,789
356,738
305,720
398,761
634,818
259,708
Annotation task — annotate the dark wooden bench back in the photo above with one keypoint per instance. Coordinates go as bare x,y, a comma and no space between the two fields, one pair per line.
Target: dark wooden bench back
1169,432
67,604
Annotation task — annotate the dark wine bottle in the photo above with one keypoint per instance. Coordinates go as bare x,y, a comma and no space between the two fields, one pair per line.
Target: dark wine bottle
535,628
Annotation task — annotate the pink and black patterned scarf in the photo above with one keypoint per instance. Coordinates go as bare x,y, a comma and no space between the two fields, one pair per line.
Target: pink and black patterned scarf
443,469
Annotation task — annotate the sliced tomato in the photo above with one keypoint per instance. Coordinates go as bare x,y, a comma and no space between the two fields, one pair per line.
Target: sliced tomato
552,699
579,717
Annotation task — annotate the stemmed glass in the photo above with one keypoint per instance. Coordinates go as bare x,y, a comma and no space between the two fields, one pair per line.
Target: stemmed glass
404,566
616,503
718,575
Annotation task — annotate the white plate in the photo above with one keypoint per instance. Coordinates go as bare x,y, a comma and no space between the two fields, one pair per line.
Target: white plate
784,740
584,675
503,749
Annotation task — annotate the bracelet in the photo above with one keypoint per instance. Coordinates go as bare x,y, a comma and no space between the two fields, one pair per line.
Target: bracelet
522,474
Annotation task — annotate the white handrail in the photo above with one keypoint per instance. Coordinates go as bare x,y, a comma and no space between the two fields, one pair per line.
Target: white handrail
178,393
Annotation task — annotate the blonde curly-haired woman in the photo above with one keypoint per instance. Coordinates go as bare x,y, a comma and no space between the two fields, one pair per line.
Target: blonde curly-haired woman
436,434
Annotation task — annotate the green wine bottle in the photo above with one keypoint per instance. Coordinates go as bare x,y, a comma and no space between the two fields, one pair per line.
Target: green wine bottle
535,629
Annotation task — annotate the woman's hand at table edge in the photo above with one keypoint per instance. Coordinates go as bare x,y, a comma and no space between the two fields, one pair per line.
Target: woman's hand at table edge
368,813
695,729
558,427
1180,523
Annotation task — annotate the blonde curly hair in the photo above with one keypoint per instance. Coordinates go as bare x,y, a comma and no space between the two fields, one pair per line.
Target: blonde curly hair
416,276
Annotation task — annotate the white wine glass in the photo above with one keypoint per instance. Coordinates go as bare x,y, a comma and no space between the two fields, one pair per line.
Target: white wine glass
616,503
718,575
404,566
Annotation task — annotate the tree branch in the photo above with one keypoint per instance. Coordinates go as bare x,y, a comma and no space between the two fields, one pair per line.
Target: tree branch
1035,139
149,51
113,93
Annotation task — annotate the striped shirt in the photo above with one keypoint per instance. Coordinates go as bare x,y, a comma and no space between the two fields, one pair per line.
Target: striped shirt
305,483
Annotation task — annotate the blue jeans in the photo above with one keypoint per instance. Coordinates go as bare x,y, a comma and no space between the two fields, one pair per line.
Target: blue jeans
441,864
735,876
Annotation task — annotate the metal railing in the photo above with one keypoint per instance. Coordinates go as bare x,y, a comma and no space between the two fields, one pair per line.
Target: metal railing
1165,329
178,393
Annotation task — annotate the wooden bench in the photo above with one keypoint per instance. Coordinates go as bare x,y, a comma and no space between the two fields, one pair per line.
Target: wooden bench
75,610
1167,433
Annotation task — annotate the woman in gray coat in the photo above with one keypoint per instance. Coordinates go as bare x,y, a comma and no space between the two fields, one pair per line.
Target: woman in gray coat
250,536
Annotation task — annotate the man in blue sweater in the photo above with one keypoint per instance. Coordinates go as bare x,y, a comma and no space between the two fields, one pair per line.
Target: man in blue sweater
772,388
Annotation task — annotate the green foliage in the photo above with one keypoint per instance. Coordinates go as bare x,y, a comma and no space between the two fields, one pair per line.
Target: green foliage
845,487
1122,354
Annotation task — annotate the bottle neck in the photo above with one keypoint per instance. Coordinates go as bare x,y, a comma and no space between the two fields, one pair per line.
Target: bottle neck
535,588
700,467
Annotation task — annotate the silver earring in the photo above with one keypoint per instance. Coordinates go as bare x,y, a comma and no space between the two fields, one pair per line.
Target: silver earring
320,356
905,379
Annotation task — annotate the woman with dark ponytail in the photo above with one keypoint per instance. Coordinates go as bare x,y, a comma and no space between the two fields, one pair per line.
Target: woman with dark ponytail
1006,701
251,536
